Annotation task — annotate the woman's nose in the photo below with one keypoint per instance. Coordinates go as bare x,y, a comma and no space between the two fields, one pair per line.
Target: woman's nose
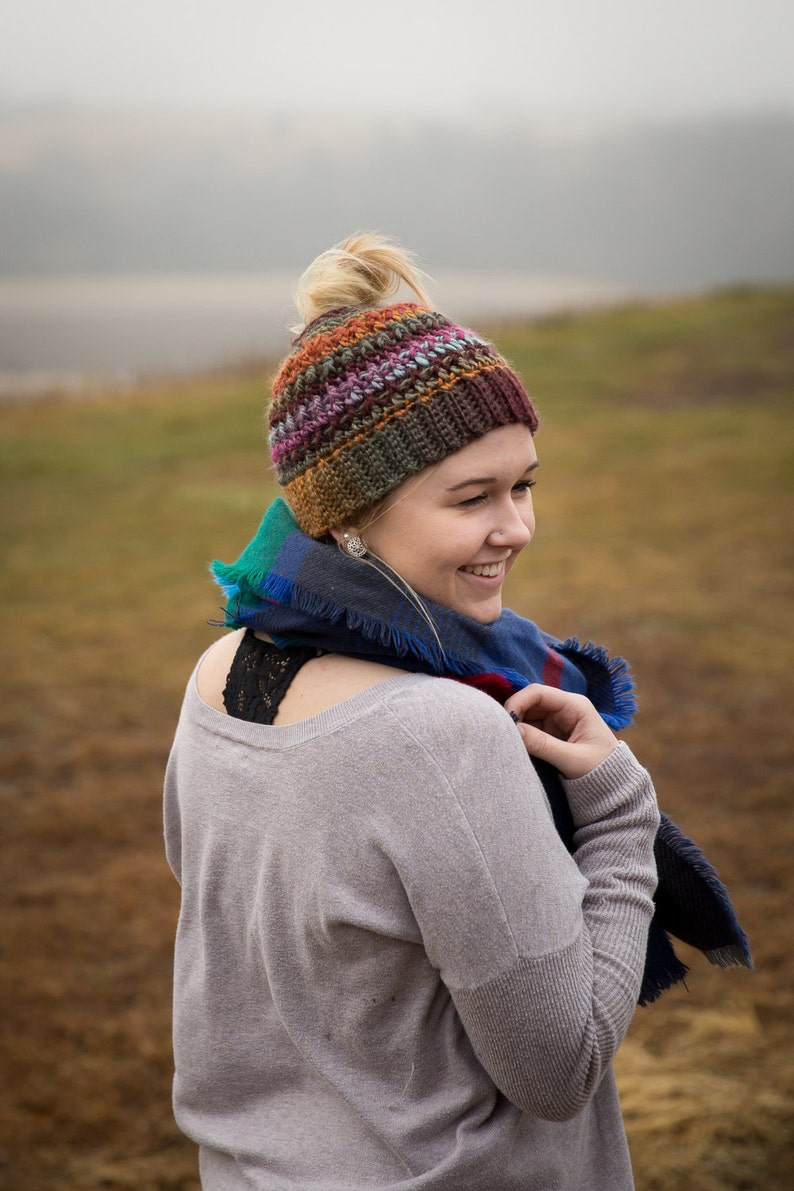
513,528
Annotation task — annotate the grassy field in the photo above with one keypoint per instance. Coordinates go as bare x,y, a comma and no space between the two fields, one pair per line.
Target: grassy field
665,515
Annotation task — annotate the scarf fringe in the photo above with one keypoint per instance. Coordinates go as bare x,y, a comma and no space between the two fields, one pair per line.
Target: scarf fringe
621,680
733,956
230,590
385,636
393,639
278,589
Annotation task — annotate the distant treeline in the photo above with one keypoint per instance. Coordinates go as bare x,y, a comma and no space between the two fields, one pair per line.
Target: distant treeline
694,204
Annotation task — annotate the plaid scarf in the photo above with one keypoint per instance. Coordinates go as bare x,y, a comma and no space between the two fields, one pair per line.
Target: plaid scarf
303,592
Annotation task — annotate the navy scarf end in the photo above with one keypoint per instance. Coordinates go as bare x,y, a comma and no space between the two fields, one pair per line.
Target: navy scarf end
663,968
693,904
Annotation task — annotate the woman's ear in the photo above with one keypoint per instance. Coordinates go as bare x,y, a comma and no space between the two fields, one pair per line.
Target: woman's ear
337,533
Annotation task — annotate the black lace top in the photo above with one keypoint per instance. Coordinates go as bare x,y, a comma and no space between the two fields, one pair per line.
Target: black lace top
259,677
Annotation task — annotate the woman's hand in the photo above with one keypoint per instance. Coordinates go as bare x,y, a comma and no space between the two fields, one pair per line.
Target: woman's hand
563,729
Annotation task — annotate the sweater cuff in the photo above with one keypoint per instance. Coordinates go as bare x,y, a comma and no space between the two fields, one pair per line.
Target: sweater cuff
618,781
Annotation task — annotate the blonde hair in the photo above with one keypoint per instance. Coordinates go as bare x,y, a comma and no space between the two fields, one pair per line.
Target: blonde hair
364,270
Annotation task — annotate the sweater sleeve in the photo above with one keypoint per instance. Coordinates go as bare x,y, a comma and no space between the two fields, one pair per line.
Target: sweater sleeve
543,953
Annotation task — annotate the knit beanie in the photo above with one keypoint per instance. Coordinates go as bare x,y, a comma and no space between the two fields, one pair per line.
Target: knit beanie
368,397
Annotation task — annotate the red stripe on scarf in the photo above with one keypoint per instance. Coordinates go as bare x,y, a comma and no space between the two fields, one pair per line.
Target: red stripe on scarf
552,669
492,684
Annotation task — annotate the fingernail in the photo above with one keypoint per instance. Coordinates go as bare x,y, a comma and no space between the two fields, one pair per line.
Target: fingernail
515,718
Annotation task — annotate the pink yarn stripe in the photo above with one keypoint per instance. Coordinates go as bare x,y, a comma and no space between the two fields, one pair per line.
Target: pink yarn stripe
373,386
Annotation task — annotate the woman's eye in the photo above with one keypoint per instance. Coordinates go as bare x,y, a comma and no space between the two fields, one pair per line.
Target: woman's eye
524,486
473,501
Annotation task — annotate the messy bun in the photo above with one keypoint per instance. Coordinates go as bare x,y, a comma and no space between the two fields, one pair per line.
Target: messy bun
364,270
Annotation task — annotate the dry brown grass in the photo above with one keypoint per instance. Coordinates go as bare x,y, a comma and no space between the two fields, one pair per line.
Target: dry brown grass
664,531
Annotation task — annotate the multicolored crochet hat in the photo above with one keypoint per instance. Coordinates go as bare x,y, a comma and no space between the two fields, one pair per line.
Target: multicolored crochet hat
368,397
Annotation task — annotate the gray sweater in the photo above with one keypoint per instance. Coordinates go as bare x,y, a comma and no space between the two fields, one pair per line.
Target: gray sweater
389,971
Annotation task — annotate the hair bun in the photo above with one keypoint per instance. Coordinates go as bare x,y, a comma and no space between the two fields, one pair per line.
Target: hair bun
364,270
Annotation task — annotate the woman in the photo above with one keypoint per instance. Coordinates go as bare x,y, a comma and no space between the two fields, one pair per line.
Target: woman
390,970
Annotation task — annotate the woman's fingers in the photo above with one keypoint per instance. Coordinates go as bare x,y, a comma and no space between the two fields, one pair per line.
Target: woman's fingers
561,728
547,706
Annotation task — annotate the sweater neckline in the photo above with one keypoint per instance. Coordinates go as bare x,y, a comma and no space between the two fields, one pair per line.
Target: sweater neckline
279,736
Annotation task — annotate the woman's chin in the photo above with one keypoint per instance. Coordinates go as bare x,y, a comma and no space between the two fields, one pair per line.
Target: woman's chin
484,607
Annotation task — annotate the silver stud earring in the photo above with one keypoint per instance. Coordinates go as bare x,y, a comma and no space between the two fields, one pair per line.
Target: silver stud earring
355,546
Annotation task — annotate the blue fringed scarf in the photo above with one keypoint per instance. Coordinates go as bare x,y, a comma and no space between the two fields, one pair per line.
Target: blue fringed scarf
303,592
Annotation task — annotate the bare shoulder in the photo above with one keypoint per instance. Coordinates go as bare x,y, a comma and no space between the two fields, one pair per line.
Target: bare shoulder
327,681
321,683
215,666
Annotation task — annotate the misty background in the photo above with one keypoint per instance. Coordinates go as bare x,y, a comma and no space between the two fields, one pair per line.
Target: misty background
168,169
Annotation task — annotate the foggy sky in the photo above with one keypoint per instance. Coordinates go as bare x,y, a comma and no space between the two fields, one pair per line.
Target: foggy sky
608,61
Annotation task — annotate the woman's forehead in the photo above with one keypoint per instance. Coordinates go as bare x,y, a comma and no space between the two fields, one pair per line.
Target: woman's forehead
500,451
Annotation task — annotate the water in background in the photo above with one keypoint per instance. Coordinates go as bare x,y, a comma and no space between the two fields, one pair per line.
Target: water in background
74,334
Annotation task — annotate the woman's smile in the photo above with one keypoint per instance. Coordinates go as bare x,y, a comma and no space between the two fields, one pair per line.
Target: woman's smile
486,570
